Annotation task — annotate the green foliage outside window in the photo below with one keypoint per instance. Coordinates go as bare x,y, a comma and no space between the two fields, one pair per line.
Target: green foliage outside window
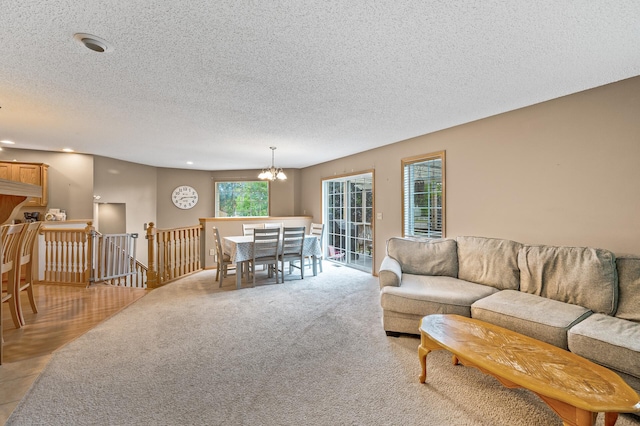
242,199
424,196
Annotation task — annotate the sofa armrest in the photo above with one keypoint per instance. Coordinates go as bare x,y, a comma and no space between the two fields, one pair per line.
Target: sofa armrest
390,273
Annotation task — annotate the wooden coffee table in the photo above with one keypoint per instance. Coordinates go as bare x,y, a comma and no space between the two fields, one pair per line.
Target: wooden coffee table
575,388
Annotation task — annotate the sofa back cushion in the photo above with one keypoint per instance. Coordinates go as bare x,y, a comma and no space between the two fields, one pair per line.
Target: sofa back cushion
579,275
425,257
628,287
489,261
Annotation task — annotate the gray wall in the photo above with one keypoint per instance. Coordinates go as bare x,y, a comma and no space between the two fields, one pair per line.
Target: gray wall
284,196
563,172
112,218
134,185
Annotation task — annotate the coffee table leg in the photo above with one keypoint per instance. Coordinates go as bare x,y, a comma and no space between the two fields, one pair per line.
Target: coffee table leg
610,419
422,355
426,345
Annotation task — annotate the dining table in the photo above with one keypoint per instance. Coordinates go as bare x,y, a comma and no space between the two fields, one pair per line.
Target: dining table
240,250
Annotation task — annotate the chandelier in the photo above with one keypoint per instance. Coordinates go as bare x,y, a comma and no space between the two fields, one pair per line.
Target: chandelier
272,173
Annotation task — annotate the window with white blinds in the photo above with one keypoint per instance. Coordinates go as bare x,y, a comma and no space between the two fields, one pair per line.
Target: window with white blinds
423,195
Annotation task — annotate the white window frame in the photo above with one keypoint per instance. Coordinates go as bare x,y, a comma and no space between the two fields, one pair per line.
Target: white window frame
423,191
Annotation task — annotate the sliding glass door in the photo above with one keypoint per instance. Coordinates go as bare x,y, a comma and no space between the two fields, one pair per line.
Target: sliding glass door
348,215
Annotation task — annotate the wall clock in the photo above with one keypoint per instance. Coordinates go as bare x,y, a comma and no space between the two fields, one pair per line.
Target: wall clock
184,197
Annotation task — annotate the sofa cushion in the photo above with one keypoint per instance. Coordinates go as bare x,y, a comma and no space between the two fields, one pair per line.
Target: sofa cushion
609,341
489,261
628,287
430,257
534,316
424,295
579,275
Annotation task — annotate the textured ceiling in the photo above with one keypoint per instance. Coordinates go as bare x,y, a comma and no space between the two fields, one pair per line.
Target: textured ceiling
218,82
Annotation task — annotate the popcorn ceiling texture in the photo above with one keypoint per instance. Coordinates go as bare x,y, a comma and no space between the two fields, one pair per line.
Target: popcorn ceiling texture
227,79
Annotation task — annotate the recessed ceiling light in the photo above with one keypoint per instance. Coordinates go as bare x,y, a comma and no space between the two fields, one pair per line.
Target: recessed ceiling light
92,42
67,150
189,162
6,142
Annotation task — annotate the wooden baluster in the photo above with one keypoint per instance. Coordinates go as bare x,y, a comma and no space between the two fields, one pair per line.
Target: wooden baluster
193,239
72,264
175,250
198,246
57,254
67,253
166,260
152,275
47,256
183,252
175,253
88,258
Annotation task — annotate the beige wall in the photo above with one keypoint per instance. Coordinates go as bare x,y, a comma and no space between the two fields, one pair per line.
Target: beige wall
564,172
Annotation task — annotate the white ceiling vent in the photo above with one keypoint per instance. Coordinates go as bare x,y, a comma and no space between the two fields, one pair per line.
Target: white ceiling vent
94,43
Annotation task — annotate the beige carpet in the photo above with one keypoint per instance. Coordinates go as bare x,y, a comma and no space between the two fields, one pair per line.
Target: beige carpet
307,352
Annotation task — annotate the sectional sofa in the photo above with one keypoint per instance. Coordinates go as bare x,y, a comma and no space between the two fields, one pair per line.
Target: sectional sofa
582,299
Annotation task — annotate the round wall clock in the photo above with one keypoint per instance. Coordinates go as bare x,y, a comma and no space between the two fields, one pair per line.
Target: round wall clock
184,197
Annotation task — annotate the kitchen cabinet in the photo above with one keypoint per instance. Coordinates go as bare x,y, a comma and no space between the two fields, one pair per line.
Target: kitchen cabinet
31,173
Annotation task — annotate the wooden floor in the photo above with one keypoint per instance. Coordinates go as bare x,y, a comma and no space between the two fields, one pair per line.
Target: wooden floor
64,313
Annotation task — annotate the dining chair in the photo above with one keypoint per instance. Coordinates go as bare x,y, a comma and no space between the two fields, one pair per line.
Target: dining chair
266,242
316,229
291,248
10,235
24,260
274,225
223,260
247,228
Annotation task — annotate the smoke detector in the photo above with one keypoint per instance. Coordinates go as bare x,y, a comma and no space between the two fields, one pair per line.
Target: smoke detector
92,42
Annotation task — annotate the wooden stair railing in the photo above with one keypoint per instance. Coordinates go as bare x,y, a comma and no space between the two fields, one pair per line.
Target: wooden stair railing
75,256
138,279
66,255
173,253
80,257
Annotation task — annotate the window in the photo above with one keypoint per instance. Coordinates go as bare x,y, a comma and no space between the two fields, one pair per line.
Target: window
242,199
423,195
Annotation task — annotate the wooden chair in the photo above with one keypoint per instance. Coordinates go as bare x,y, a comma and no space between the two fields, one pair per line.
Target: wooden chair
316,229
291,249
10,236
247,228
266,242
25,259
223,260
